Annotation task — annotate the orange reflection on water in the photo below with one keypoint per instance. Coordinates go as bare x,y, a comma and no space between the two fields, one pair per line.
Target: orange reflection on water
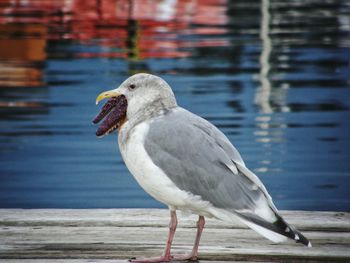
130,29
20,57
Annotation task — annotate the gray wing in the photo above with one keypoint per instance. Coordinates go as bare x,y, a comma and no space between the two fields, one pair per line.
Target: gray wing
200,159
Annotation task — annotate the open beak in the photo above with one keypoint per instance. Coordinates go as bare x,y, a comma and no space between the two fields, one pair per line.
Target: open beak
113,112
107,94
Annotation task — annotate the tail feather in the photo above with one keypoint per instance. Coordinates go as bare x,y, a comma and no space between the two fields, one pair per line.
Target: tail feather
276,231
291,232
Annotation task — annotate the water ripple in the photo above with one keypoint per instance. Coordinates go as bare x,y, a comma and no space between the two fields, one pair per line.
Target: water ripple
272,75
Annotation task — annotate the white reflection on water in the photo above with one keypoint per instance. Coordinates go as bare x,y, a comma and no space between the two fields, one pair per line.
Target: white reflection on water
263,92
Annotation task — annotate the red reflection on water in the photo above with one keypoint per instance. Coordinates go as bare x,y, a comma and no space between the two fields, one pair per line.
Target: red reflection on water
133,30
128,29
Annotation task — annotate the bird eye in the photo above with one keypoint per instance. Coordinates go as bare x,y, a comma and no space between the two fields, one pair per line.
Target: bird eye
132,86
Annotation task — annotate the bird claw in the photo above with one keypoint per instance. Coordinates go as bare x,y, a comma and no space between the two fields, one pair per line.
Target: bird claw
149,260
189,257
180,257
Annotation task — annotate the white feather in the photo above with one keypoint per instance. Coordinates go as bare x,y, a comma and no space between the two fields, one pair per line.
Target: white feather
273,236
231,217
153,180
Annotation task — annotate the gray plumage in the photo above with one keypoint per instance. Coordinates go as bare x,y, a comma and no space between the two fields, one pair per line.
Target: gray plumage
161,141
197,157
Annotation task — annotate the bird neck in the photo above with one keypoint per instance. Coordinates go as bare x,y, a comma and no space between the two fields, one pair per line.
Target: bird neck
151,110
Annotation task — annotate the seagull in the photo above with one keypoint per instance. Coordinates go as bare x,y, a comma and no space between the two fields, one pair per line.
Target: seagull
185,162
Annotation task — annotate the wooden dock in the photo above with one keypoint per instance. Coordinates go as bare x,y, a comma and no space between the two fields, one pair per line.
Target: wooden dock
115,235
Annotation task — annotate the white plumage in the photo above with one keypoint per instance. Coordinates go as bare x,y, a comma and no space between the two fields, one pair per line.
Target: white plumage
185,162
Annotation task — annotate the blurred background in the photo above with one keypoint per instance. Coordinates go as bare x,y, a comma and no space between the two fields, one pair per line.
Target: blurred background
273,75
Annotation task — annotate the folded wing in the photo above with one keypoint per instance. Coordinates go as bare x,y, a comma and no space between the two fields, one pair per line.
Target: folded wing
200,159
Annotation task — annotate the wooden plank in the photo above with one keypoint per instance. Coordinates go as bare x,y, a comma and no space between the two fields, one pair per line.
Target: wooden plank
156,217
63,261
118,234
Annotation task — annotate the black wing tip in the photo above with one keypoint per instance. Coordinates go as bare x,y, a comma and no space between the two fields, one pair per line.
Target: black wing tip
280,226
300,238
291,232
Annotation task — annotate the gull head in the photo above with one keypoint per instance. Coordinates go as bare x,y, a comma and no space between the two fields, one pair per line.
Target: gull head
140,97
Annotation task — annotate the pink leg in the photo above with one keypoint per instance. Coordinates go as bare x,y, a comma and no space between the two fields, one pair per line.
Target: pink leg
166,257
200,227
194,254
172,229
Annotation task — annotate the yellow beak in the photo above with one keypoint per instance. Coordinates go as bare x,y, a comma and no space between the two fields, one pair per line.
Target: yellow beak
107,94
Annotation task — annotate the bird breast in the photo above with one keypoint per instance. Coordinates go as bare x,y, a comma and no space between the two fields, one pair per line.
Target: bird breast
150,177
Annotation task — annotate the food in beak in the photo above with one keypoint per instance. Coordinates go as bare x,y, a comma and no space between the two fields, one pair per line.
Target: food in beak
115,110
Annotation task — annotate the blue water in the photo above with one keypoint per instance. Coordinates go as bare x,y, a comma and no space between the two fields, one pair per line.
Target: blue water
274,78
